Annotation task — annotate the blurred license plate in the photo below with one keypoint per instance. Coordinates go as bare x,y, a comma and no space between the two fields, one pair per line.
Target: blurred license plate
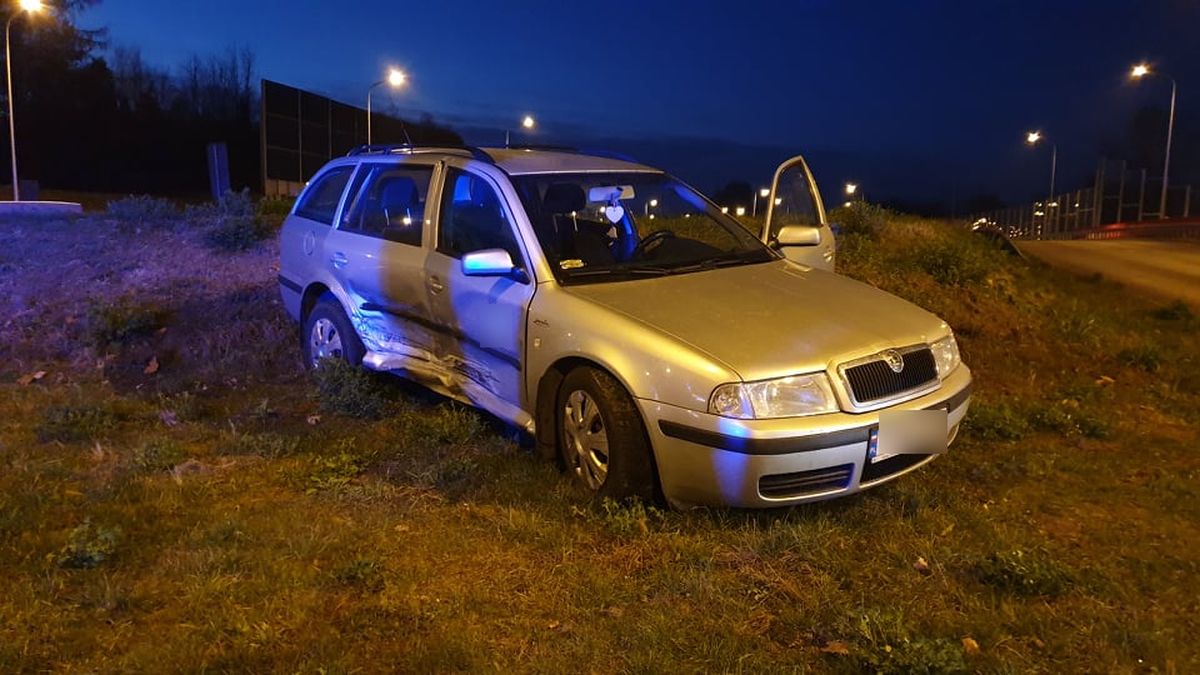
908,432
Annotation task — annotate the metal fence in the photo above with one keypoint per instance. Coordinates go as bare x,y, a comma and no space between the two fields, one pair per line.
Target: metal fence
1119,196
301,131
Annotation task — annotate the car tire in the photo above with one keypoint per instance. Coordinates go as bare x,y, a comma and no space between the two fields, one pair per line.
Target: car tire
600,427
327,333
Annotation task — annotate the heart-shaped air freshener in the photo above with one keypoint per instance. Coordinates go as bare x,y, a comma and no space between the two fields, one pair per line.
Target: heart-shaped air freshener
614,213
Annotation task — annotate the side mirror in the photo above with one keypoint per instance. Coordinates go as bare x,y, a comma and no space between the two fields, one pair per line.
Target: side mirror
492,262
798,235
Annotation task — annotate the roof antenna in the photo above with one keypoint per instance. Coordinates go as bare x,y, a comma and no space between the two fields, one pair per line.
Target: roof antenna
407,138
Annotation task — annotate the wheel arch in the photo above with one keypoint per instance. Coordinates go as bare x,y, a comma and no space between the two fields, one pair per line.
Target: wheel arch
547,392
312,294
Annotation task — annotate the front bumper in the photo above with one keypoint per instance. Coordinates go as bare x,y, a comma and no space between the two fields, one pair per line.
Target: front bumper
705,459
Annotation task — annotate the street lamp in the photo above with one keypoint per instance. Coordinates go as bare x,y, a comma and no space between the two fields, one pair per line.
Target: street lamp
527,123
1142,70
764,193
395,79
851,188
1035,137
31,7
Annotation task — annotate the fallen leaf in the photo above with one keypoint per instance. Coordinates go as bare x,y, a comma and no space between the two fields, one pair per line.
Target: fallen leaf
152,367
168,417
30,378
836,647
923,567
1104,381
161,331
970,646
314,420
553,625
948,530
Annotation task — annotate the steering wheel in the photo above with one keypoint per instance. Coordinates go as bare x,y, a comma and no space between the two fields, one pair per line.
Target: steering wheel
655,238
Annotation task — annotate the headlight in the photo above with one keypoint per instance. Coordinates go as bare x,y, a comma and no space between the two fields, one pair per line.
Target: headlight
793,396
945,354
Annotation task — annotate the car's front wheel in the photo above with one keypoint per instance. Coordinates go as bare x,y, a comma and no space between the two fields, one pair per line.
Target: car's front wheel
328,334
601,438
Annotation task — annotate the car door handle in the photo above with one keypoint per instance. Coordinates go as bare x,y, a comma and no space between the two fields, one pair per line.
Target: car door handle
339,260
436,285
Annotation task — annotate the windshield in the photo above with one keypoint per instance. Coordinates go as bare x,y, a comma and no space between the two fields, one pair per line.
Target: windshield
615,226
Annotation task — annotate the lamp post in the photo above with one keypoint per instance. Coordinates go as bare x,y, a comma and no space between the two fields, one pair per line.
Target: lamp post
32,7
395,79
1142,70
851,190
764,193
527,123
1035,137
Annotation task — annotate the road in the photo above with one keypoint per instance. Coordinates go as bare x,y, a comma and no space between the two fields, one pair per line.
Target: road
1167,269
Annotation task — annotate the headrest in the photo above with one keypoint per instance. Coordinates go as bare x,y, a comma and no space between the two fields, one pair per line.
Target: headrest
399,192
564,198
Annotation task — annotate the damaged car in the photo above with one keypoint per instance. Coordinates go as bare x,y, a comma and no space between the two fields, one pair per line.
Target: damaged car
646,340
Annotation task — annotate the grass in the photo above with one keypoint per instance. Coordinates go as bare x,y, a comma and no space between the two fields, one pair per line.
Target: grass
228,513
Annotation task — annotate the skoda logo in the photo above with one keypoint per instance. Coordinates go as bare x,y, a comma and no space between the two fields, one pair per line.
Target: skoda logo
894,360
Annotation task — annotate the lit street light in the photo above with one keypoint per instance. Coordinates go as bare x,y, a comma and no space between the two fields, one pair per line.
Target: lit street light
32,7
527,123
764,193
741,211
1139,71
851,188
1035,137
395,79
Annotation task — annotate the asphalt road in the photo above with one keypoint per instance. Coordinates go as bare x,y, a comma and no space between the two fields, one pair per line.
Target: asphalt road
1167,269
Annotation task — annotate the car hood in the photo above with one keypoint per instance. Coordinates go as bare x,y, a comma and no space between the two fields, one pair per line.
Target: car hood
771,319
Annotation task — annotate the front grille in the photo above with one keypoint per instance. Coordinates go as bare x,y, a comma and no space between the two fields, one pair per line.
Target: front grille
875,380
806,482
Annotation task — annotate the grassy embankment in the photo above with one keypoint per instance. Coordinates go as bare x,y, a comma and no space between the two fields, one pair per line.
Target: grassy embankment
174,495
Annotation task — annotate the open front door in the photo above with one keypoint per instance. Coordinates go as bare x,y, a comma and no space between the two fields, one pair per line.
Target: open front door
796,217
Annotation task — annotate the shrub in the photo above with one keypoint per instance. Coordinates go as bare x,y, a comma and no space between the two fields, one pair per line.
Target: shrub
69,424
347,390
860,219
142,210
952,261
234,222
119,321
88,546
1031,572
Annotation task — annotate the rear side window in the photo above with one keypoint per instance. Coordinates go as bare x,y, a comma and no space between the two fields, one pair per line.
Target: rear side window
320,201
472,218
391,203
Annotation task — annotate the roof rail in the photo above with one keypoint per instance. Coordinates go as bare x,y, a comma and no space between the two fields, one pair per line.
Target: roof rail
406,149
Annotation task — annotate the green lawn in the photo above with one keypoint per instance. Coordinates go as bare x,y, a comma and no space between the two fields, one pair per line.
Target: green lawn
174,496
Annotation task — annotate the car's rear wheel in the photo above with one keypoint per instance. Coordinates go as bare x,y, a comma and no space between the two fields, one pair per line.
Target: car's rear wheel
601,438
328,335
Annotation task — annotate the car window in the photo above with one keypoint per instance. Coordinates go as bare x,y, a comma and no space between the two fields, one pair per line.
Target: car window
320,201
472,218
390,204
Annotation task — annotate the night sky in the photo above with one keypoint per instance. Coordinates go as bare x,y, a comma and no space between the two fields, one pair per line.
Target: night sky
919,100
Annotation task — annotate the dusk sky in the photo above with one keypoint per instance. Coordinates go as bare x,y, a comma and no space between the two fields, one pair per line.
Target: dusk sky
925,99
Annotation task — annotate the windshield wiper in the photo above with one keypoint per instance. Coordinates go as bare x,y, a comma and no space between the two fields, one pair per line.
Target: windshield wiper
636,270
715,262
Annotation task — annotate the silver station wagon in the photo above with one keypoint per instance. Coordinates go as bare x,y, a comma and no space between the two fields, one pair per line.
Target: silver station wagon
644,338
